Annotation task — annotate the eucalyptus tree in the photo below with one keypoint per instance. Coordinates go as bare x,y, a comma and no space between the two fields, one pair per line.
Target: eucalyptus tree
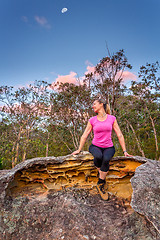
149,74
131,121
148,92
24,108
70,111
107,79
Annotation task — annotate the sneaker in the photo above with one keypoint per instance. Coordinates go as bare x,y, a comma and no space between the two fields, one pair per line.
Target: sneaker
102,191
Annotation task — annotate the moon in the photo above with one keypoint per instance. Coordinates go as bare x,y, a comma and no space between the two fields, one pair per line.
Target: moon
64,10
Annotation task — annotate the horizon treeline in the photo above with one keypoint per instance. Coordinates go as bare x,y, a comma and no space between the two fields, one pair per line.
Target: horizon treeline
48,119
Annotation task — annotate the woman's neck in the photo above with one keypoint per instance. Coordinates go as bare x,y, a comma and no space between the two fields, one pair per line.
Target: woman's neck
102,114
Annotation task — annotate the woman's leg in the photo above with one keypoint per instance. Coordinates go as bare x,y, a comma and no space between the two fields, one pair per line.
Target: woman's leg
102,174
108,153
98,157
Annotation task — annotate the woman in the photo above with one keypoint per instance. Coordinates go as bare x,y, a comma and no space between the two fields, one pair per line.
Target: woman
102,146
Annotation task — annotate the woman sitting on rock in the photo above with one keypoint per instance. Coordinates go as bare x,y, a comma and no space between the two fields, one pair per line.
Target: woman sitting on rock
102,146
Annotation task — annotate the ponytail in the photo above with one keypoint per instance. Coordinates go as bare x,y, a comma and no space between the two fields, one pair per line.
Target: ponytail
107,108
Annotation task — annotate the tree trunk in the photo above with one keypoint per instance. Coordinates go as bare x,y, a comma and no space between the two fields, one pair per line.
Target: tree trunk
17,150
47,149
47,145
155,134
24,155
138,143
154,130
13,148
17,147
61,138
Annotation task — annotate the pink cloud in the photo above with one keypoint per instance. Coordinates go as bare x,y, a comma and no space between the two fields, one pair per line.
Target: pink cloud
90,69
126,75
71,78
42,21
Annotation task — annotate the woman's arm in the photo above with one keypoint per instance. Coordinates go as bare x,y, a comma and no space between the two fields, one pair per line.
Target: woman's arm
83,138
120,137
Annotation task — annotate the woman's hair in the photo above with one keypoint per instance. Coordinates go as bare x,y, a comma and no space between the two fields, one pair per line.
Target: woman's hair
105,105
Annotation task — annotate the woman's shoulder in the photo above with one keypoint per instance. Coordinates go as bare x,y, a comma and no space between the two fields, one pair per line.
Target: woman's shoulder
92,119
112,117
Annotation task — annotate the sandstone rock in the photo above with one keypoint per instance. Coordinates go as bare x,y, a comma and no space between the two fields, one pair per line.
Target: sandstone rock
146,191
38,175
54,198
71,214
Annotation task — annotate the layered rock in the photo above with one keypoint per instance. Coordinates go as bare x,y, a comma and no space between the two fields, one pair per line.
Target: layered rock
146,191
55,198
38,175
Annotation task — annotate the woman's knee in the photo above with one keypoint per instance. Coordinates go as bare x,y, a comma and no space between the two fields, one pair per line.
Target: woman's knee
97,162
106,159
96,152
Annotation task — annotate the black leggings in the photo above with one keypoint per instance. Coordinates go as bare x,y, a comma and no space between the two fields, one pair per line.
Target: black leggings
102,156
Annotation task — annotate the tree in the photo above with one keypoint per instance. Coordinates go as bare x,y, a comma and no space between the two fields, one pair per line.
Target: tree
147,91
70,110
149,73
24,109
108,76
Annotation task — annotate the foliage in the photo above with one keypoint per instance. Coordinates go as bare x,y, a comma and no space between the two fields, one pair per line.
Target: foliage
48,120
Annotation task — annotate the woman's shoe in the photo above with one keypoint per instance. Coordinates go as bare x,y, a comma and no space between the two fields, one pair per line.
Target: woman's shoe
102,191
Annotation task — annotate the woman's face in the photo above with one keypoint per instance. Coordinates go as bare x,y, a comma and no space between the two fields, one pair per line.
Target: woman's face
97,106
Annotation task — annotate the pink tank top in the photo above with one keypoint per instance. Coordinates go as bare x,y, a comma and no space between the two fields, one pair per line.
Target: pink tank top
102,131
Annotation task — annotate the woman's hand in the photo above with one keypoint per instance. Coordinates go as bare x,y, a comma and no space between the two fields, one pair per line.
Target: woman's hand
127,155
75,152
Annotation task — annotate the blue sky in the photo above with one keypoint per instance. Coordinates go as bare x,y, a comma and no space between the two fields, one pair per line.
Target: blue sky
39,42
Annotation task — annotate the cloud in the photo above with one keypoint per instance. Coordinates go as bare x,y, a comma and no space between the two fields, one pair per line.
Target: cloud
74,79
70,78
90,69
127,76
42,21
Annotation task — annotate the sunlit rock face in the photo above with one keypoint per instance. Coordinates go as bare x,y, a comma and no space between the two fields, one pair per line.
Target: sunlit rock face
56,198
39,175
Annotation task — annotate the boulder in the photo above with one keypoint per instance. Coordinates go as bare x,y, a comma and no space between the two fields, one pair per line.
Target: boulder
72,214
146,191
55,198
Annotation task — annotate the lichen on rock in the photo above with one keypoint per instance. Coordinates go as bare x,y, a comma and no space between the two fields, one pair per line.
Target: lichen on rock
55,198
146,191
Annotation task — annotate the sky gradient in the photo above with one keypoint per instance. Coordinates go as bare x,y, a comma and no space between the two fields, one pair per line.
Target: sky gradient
39,42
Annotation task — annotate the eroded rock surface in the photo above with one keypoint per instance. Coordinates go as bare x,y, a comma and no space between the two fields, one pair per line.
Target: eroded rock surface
146,191
55,198
36,176
72,214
